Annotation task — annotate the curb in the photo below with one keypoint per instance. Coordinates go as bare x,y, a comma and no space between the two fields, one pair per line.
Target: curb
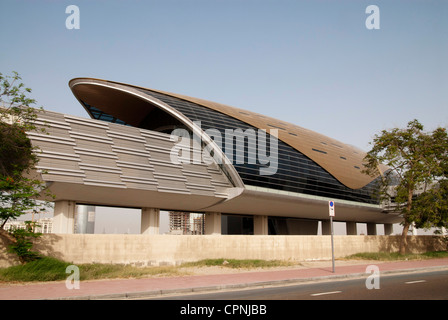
167,292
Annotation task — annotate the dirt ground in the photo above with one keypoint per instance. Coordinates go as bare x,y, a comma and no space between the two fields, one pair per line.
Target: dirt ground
299,265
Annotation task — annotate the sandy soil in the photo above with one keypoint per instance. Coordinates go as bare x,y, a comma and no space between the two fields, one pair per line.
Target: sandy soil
298,265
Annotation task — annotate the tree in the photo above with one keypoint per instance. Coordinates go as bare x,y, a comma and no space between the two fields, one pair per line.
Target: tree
23,244
433,207
416,174
19,190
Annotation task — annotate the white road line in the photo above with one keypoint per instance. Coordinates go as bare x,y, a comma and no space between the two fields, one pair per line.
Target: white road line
324,293
417,281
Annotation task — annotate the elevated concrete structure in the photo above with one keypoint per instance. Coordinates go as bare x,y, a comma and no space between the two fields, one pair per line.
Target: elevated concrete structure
122,158
100,163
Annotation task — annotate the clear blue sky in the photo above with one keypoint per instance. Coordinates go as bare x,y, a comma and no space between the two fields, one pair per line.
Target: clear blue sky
312,63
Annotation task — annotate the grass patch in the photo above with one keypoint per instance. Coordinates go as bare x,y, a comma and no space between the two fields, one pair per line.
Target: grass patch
436,254
44,269
237,264
113,271
51,269
395,256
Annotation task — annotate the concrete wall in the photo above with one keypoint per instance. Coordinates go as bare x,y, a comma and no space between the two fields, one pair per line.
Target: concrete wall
166,249
6,259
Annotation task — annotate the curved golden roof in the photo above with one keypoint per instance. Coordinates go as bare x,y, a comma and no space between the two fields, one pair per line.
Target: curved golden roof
342,161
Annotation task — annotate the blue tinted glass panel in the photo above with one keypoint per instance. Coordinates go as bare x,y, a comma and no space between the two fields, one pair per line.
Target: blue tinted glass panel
296,172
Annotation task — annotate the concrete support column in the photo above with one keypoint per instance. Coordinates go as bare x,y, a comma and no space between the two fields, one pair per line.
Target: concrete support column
371,229
388,229
85,219
260,225
64,216
213,223
351,228
150,221
326,227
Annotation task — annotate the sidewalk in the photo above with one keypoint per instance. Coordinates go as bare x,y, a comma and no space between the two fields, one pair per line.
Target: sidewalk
135,288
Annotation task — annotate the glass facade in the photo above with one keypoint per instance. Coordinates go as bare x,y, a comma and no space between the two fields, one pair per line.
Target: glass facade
295,172
100,115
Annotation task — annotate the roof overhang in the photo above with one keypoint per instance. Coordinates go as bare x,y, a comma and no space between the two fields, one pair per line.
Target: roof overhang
110,97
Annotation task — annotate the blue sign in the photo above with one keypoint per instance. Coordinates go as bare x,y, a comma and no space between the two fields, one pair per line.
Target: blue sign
331,208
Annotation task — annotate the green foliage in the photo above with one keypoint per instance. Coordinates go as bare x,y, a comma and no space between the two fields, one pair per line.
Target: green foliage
236,264
432,207
19,190
17,117
15,150
416,174
15,102
18,196
51,269
92,271
23,242
396,256
44,269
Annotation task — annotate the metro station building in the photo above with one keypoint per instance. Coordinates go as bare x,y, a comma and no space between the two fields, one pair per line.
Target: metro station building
123,156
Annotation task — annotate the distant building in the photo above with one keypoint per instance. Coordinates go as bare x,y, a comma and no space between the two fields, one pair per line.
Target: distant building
186,223
44,225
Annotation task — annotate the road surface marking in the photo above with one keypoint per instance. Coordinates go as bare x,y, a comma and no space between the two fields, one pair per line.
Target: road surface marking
417,281
324,293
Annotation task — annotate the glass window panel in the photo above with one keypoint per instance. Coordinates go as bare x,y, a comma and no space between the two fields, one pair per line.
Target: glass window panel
295,172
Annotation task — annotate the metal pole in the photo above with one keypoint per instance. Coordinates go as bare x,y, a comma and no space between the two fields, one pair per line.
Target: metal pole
332,244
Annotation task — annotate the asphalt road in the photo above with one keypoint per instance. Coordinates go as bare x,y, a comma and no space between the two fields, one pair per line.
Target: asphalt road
409,286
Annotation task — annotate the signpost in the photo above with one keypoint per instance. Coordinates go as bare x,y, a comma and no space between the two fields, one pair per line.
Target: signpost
331,212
